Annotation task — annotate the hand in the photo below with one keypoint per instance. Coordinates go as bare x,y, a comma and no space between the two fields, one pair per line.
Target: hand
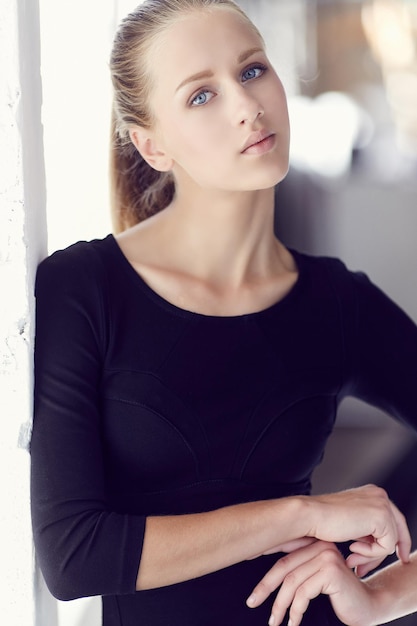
289,546
363,564
318,568
364,514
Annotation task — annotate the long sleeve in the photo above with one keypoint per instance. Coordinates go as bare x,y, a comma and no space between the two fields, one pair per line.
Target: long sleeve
84,548
382,346
143,409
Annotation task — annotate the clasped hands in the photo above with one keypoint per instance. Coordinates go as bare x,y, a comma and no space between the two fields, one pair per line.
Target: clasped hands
313,565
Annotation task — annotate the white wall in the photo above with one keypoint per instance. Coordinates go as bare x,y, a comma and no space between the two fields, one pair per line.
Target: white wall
22,244
76,39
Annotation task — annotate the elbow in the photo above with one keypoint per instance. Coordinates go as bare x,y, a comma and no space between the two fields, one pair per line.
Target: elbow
63,592
66,576
63,585
71,564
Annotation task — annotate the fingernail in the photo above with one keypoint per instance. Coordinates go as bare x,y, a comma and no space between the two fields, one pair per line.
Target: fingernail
251,600
271,621
289,622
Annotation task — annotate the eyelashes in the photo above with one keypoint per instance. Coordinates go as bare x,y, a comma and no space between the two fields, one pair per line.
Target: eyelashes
253,72
204,95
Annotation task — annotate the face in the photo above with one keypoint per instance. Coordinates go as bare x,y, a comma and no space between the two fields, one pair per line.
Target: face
220,109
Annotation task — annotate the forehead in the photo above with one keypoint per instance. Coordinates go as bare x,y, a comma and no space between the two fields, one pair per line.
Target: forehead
200,40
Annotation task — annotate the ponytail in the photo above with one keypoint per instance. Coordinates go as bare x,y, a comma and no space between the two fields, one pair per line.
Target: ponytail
137,191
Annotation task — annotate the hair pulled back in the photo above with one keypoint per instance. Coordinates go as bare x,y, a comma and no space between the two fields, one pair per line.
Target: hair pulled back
137,190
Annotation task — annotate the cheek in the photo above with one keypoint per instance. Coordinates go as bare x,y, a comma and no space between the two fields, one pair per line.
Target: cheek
198,139
280,99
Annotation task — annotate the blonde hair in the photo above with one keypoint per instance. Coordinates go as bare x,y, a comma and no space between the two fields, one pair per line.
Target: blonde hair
137,190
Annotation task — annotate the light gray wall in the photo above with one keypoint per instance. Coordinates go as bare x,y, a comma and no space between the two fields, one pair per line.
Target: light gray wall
370,224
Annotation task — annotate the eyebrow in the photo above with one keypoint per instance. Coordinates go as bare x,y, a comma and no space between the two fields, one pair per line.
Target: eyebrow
209,74
248,53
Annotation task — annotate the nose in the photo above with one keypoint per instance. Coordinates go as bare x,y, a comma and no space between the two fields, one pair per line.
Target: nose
247,107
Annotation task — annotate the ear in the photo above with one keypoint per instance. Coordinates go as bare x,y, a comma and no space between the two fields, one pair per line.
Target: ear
146,144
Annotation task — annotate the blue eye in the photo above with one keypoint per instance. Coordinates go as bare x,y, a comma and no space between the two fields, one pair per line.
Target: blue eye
202,98
253,72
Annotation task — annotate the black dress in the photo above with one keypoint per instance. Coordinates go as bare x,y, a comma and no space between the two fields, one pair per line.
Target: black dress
142,408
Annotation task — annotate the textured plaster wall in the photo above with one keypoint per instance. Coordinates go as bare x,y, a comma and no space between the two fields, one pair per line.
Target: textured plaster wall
22,244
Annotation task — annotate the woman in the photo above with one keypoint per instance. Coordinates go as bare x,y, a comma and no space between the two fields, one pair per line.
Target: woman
188,370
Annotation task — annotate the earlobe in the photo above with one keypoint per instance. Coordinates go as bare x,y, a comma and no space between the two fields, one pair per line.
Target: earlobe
146,145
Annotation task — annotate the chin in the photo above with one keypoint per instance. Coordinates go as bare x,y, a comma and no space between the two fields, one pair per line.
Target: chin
267,180
281,171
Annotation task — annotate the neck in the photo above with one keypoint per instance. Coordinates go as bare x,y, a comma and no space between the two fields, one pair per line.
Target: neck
224,238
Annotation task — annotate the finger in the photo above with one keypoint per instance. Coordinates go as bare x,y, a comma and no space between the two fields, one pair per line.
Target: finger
312,588
355,560
395,531
363,570
296,544
371,550
367,539
404,539
362,565
288,590
271,581
290,546
307,582
274,577
386,522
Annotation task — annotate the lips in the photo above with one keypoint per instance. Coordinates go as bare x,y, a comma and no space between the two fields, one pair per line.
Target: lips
256,138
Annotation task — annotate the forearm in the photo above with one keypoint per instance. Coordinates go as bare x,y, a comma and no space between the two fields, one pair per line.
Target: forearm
394,590
178,548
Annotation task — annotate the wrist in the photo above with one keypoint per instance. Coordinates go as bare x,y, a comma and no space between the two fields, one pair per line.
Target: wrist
298,514
307,516
380,602
392,592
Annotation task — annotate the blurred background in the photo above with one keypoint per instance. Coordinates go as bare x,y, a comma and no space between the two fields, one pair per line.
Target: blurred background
350,71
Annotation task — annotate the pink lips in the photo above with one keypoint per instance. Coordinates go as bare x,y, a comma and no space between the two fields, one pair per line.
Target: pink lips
259,142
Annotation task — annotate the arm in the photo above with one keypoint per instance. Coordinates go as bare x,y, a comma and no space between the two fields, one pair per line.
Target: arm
388,594
85,547
229,535
394,590
384,357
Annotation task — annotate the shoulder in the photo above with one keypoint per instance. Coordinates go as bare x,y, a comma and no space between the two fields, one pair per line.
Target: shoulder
79,264
72,294
331,274
361,301
81,253
332,266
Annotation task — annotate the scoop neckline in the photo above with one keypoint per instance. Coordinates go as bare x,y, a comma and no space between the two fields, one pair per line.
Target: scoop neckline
176,310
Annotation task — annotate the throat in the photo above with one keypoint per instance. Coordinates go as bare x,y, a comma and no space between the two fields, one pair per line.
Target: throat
220,296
